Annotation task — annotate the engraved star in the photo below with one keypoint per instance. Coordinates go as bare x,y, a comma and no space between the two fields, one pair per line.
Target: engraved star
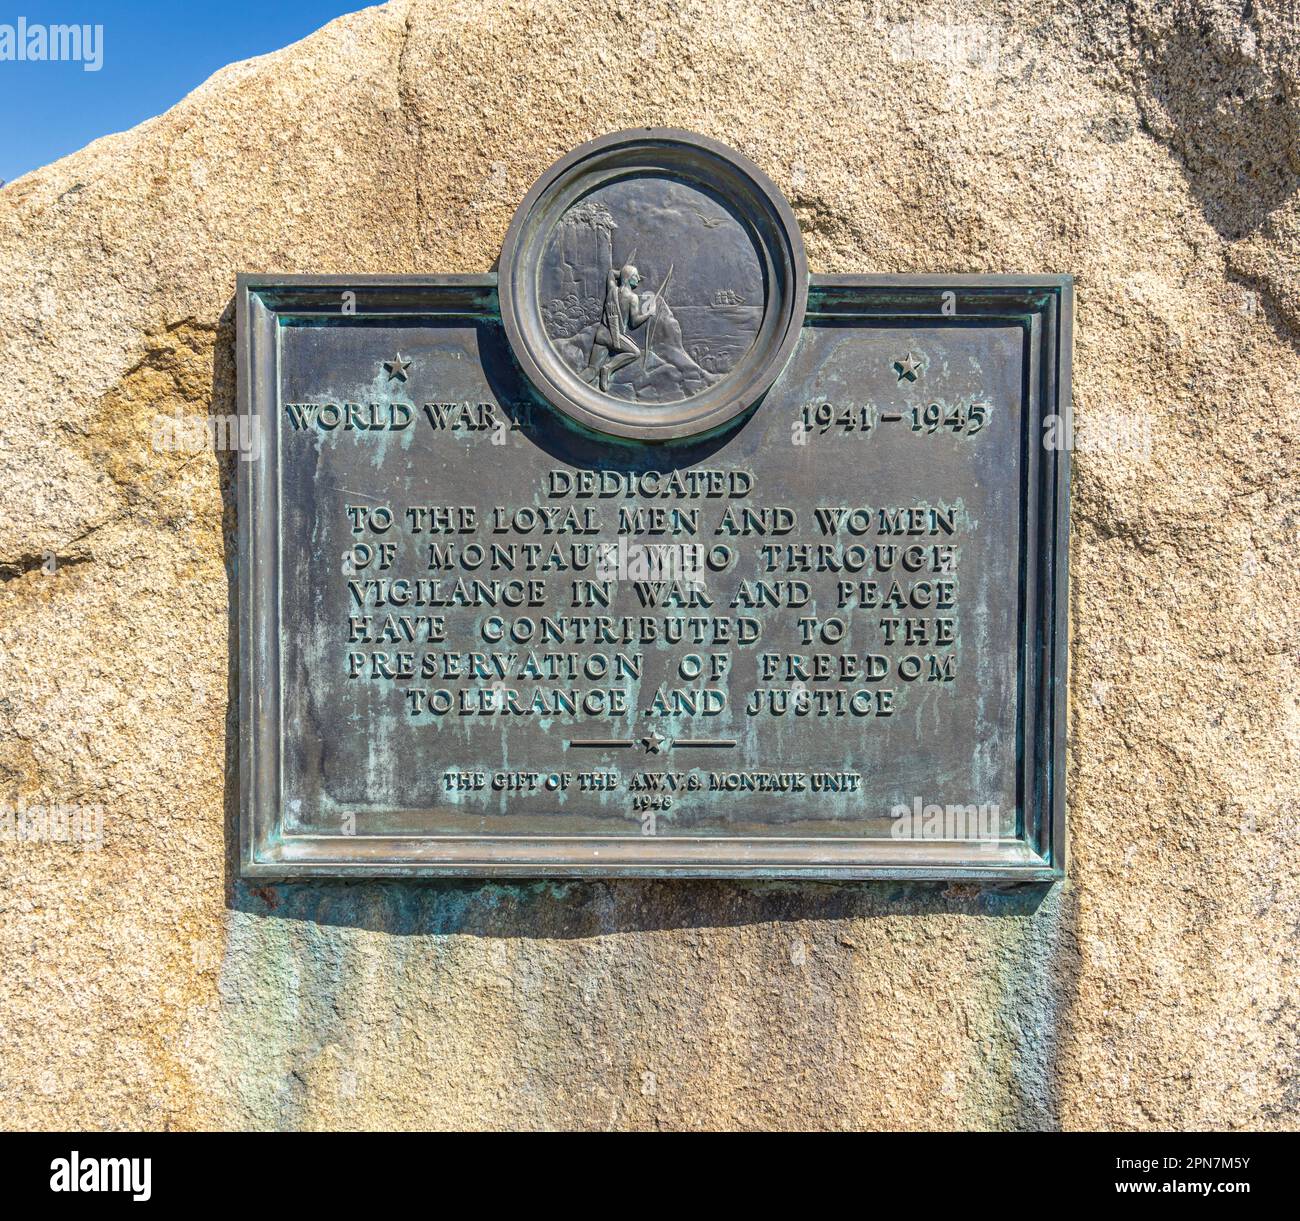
397,368
654,743
907,367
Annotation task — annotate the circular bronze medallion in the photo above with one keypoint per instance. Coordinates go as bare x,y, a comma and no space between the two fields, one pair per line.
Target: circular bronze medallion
653,284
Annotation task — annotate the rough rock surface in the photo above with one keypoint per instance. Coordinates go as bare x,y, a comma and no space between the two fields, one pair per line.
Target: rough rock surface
1149,148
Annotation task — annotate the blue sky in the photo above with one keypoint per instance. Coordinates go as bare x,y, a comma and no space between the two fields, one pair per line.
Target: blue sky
154,53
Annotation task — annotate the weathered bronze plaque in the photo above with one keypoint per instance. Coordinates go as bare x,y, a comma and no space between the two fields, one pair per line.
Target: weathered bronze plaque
651,555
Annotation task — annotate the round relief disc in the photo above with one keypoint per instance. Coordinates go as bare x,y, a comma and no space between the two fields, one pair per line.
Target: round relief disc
652,284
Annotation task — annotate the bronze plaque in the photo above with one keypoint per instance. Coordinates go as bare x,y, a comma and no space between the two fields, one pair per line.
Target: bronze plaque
652,556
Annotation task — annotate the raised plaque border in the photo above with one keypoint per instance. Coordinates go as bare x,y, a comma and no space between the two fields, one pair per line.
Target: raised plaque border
1042,305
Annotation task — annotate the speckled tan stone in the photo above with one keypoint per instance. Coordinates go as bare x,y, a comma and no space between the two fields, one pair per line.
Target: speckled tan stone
1150,149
